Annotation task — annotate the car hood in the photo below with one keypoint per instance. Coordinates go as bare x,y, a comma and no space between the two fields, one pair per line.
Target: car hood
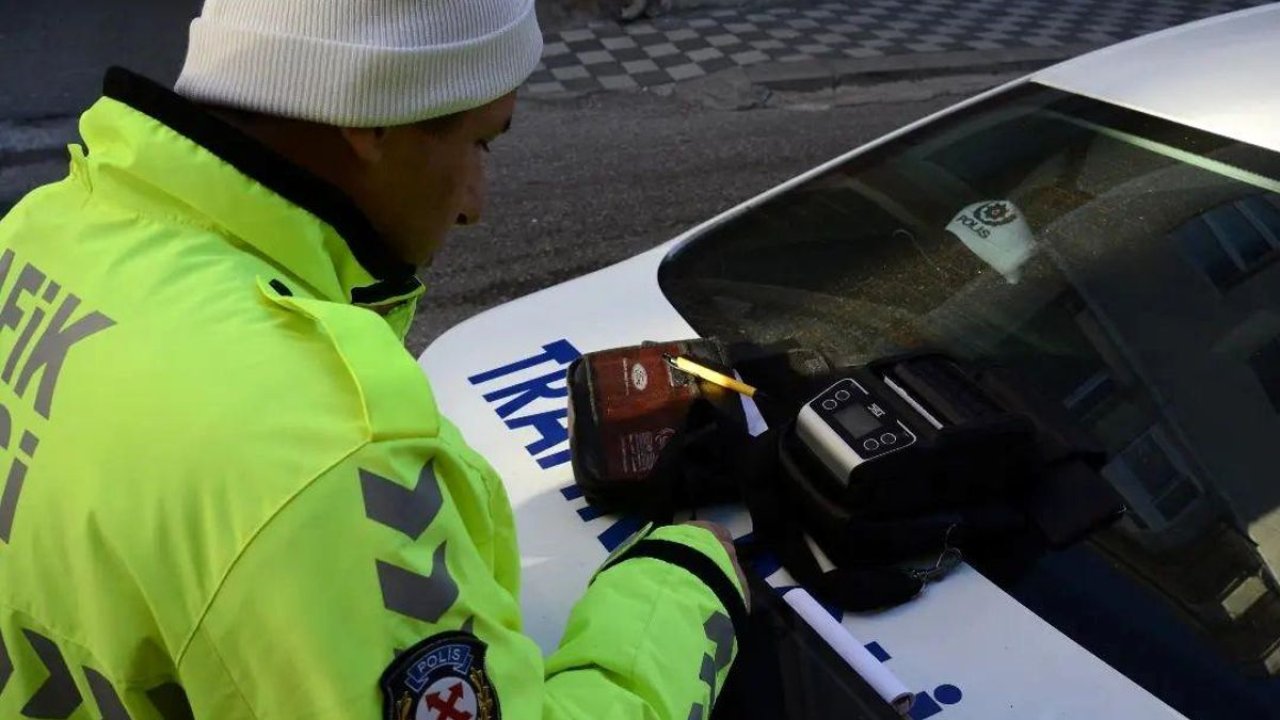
964,646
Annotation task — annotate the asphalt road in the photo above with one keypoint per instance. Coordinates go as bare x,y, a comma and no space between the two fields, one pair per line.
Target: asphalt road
53,52
578,184
582,184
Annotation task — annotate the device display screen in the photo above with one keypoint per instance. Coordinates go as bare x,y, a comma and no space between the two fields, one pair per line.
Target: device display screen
857,420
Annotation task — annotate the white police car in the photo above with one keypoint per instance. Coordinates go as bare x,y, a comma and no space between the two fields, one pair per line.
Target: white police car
1111,226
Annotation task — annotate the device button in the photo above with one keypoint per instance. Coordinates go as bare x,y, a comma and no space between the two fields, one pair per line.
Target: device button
889,439
870,445
829,404
842,395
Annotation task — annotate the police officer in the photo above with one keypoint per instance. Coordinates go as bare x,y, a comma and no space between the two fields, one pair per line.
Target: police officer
226,490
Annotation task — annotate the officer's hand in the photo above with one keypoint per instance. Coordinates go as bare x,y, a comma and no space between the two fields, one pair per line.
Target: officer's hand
722,534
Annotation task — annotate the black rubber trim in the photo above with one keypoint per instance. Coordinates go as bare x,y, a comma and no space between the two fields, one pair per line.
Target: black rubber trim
696,564
271,170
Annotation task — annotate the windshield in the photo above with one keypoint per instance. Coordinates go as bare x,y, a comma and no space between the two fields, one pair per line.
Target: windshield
1123,263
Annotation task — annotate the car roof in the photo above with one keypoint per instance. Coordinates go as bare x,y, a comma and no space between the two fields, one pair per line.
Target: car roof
1217,75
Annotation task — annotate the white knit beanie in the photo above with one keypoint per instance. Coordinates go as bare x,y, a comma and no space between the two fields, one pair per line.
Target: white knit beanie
359,63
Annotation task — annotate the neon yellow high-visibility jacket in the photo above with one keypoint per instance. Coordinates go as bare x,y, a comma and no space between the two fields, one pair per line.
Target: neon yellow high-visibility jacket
226,491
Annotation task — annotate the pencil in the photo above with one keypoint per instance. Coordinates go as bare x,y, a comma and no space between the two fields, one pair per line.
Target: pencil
703,372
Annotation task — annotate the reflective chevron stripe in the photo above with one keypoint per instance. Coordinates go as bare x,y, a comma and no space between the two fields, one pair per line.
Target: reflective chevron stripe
171,700
6,664
58,697
422,597
391,504
105,695
719,630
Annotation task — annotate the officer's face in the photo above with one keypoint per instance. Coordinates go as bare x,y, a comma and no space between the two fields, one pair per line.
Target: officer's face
418,181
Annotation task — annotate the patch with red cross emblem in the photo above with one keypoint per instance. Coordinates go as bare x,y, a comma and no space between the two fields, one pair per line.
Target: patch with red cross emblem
440,678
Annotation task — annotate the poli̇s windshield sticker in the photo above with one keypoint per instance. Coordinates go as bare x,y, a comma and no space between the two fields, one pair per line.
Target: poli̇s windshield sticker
996,232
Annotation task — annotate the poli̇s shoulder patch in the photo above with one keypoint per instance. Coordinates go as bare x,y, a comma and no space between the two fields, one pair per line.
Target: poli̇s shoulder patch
440,678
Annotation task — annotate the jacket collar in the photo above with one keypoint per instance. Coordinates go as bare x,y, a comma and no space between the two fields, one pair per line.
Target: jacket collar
341,257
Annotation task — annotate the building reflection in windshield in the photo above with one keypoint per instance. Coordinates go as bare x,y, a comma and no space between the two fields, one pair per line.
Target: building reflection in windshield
1194,515
1134,279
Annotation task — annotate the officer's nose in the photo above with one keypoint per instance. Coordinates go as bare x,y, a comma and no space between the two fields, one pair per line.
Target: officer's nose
473,207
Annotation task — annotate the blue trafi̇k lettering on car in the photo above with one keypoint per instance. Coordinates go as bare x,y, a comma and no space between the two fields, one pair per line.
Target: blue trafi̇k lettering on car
529,394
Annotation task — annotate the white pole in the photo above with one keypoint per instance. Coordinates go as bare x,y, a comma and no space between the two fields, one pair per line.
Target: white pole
851,649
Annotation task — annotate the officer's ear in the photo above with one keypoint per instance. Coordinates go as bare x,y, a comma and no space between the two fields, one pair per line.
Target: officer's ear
368,144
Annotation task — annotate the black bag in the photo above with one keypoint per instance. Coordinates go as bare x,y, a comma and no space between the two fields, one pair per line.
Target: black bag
710,457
